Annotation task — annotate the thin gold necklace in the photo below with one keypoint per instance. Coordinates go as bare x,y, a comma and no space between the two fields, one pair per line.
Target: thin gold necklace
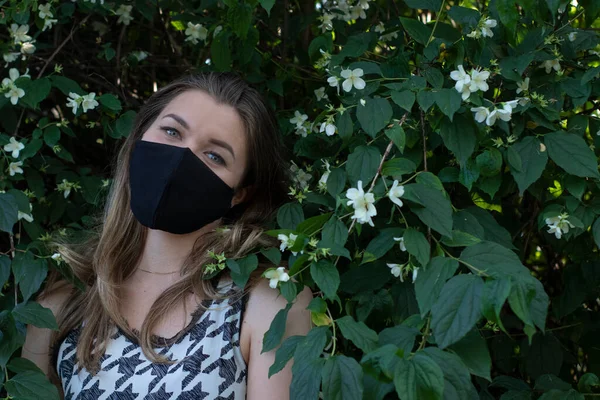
158,273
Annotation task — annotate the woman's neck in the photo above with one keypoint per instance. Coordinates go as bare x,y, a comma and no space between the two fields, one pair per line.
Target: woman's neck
165,252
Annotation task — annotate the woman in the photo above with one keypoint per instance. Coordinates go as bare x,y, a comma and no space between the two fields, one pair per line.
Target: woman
200,174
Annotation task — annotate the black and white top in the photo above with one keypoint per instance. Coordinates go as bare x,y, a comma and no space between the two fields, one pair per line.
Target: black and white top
209,360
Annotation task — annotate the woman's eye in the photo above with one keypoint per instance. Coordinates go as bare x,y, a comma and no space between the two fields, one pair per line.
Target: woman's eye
170,131
216,158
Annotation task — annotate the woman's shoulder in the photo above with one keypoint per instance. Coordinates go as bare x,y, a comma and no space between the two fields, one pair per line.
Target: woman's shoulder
54,296
264,303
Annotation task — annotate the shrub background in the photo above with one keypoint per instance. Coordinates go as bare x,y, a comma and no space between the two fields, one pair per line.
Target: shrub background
500,307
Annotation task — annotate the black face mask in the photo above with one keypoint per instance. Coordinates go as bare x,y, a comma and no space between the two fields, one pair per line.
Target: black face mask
173,190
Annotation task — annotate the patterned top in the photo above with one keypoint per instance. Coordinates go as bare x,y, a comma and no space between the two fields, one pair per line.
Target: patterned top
209,360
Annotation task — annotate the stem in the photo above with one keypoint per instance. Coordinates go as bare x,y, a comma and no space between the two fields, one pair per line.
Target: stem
333,338
425,335
436,23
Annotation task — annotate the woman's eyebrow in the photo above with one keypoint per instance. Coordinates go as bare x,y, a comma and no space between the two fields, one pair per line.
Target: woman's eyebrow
224,145
178,119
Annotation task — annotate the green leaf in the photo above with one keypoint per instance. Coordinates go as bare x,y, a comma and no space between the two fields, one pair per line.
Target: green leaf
474,353
437,210
374,115
489,162
424,4
494,260
290,215
448,100
240,17
357,45
419,378
588,382
435,78
416,29
272,254
326,276
520,298
396,134
242,268
9,214
220,52
398,167
555,394
51,135
29,273
267,5
335,233
553,7
465,16
549,382
344,124
381,244
284,353
32,313
457,380
405,99
36,91
590,74
110,101
342,379
358,333
457,310
572,154
469,173
543,356
312,225
417,245
306,371
273,336
12,337
29,385
66,85
18,365
493,231
363,163
596,232
495,293
533,162
4,269
461,239
459,137
508,13
401,336
514,159
124,124
426,99
431,280
336,182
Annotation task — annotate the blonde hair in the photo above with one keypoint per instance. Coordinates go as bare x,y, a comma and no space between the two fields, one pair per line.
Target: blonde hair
110,254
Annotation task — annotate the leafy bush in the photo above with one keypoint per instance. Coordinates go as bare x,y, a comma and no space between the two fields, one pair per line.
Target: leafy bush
444,208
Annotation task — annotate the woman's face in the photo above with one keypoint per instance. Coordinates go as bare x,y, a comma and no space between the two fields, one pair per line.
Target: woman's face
214,132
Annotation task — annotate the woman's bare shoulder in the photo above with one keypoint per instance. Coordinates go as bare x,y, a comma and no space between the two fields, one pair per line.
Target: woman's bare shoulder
54,297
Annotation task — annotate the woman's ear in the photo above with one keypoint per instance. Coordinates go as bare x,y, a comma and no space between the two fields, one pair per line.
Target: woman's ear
242,195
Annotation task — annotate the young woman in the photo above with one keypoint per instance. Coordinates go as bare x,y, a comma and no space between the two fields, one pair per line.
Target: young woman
201,171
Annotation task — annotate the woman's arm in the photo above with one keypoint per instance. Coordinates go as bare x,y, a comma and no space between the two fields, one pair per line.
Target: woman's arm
263,305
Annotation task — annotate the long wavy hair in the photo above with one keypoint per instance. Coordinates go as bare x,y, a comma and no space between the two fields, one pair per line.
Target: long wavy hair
105,259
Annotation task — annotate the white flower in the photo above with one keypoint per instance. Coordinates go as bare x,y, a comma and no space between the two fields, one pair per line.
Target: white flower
334,81
287,242
195,32
478,80
124,13
352,78
503,113
48,23
27,48
140,55
320,94
88,102
323,181
14,146
475,34
572,36
328,127
559,225
512,104
364,4
27,217
481,113
217,30
551,64
74,101
57,257
298,118
300,177
379,28
523,86
10,57
486,30
15,168
358,12
396,270
45,11
65,186
462,82
13,75
415,272
401,244
19,33
395,193
14,93
362,203
275,276
326,22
